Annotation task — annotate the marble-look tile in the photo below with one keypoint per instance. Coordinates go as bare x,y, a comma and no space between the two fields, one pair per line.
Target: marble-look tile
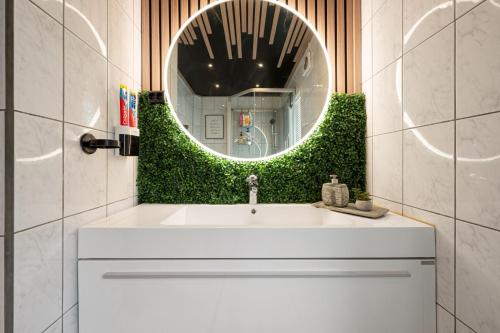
424,18
445,321
120,32
428,81
137,56
463,6
115,78
55,327
366,11
366,53
137,14
85,84
478,162
53,7
428,168
368,91
376,4
478,269
38,170
387,34
478,60
445,253
128,7
387,166
120,177
391,205
84,174
118,206
369,164
37,89
387,100
70,321
38,277
71,226
88,19
2,263
462,328
2,172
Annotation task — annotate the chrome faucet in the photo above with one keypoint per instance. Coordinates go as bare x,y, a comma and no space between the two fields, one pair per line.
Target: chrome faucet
252,187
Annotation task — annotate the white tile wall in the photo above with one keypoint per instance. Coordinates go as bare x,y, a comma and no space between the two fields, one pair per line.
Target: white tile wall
58,187
38,40
88,19
423,18
478,269
428,71
450,156
85,84
38,170
38,277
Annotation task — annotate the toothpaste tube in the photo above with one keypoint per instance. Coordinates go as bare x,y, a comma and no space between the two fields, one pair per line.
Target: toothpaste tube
132,109
124,112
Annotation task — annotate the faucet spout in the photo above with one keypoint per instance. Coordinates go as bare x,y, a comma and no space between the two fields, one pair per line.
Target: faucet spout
253,188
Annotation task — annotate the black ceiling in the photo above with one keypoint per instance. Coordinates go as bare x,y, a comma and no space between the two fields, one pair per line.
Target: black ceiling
236,75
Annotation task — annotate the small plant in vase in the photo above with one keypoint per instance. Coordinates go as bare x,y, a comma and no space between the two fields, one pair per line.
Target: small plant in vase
363,200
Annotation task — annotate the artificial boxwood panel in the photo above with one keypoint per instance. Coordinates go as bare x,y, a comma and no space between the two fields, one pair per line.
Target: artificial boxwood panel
173,169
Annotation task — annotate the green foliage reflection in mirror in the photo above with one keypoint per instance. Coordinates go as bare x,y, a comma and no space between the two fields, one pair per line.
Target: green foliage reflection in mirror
174,169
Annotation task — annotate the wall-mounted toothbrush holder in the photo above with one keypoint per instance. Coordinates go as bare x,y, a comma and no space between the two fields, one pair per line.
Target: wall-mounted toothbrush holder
90,144
128,137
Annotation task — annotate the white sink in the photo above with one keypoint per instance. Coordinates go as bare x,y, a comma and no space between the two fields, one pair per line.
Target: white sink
158,231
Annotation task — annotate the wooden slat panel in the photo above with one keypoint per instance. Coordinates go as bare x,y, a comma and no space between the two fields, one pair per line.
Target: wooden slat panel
320,19
174,17
184,11
256,29
301,7
340,55
356,40
349,40
165,35
145,42
263,17
230,15
155,45
337,21
287,40
194,7
298,26
237,14
226,31
311,11
331,34
277,10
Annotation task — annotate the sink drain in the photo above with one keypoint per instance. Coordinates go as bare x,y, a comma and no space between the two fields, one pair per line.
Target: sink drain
253,211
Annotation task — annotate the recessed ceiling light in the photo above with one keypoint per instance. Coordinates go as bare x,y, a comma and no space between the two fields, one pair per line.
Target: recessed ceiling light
210,65
261,65
217,85
257,85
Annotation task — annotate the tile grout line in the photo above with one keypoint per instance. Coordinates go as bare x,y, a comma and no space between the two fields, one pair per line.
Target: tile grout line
455,163
9,181
63,156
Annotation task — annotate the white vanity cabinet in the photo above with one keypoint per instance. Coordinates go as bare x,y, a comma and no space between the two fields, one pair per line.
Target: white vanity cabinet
152,270
249,296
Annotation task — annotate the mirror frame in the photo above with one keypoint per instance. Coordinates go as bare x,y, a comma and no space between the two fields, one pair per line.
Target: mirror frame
173,45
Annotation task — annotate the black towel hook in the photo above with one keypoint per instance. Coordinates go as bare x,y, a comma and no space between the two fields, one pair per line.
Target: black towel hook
90,144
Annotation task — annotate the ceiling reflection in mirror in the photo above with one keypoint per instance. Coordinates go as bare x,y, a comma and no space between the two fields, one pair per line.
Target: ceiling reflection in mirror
247,79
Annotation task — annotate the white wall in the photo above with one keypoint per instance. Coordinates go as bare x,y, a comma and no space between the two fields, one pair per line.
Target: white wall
69,63
430,74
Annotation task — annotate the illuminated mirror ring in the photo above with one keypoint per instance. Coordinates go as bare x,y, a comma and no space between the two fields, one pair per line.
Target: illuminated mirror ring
257,134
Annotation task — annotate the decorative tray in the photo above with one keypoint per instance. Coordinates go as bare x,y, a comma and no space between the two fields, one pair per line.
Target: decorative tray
375,213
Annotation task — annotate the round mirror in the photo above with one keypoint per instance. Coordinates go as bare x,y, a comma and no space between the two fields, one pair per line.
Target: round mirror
247,79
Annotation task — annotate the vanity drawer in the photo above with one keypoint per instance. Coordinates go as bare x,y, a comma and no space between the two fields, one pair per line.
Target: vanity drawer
265,296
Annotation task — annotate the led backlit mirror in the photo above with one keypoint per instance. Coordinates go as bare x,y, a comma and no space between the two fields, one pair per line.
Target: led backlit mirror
247,79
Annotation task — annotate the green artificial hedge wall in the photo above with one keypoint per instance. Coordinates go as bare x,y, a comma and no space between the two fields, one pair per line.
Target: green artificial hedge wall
173,169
